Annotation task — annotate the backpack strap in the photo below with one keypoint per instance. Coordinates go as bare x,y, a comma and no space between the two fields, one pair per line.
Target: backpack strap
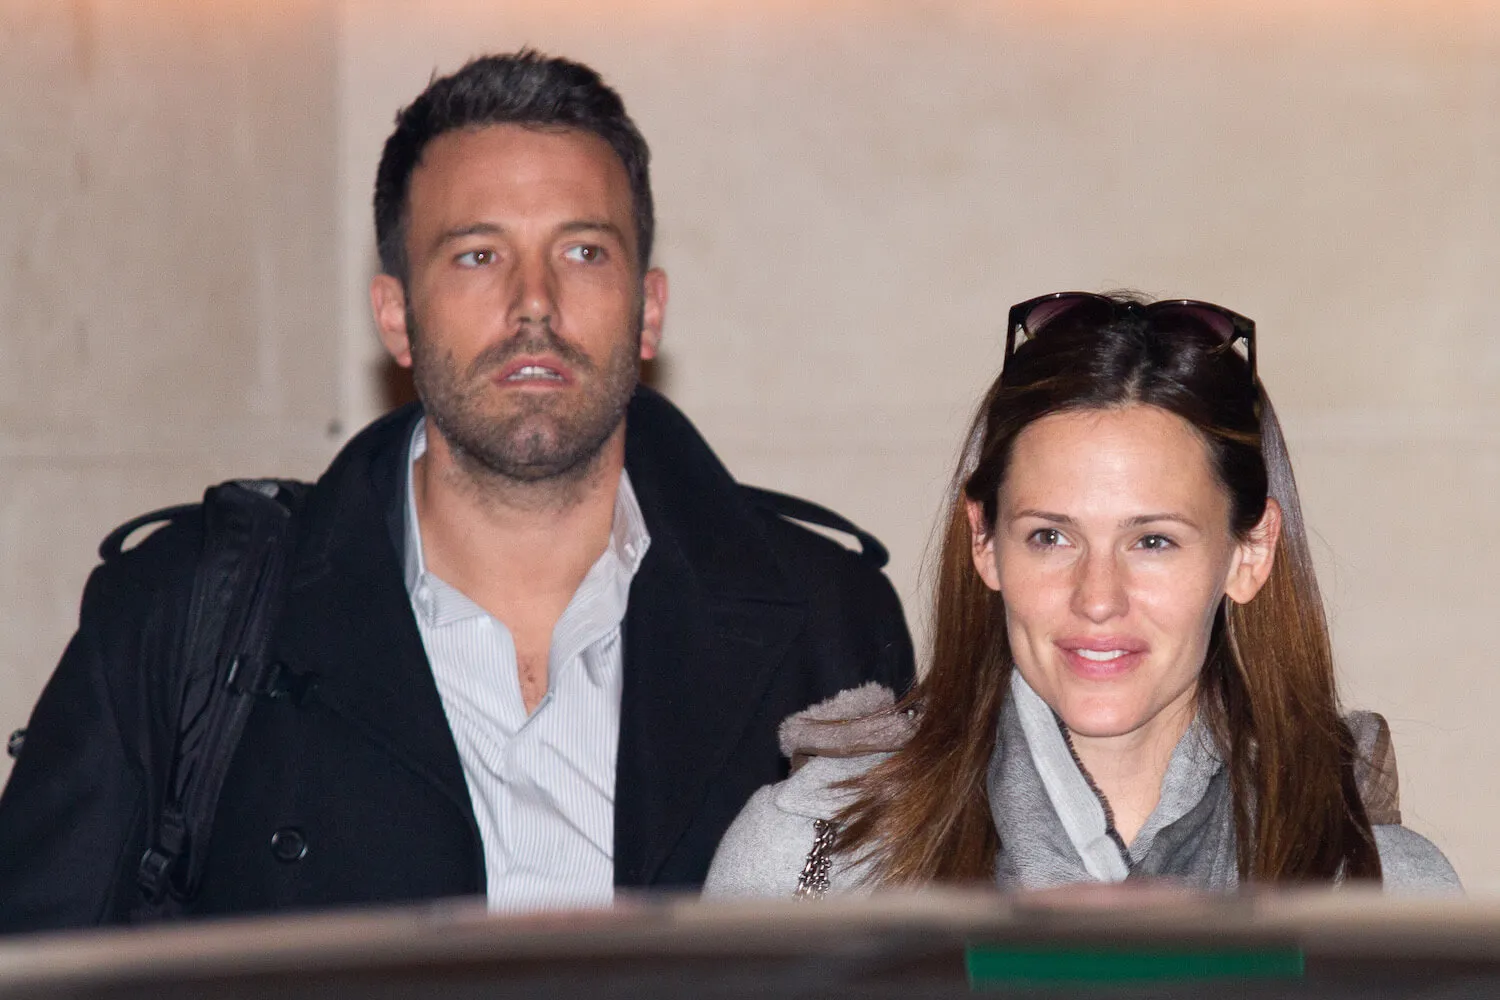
114,542
287,492
218,670
798,509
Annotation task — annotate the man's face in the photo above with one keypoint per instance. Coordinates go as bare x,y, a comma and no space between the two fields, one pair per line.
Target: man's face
525,313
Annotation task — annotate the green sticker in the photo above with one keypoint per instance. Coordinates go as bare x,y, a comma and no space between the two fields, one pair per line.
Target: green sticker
1010,965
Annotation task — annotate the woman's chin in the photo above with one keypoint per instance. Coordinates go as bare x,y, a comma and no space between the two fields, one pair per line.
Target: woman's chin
1100,721
1099,730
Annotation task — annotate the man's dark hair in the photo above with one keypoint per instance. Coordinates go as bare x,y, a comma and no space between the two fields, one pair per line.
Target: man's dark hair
528,89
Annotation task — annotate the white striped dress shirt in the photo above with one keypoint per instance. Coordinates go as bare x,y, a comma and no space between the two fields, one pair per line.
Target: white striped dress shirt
543,785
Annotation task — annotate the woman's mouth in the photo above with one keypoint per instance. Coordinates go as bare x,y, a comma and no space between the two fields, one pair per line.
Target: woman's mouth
1101,659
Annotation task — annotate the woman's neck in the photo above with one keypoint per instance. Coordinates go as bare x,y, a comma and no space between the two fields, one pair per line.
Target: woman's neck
1128,769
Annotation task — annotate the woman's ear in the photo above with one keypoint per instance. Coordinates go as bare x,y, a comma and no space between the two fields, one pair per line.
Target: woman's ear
1254,556
982,545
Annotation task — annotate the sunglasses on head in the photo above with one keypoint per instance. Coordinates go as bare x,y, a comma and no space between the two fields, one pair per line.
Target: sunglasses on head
1030,318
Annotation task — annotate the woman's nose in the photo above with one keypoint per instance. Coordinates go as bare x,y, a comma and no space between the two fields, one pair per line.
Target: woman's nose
1099,588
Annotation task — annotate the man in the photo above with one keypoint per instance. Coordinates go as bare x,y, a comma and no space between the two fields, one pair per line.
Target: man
541,639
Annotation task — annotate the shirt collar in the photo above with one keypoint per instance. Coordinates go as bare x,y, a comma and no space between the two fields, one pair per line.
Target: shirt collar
442,604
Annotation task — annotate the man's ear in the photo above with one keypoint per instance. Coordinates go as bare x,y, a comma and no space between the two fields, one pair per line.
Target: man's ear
982,545
653,311
1254,557
388,303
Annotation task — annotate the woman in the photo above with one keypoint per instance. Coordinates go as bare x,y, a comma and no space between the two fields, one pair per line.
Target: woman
1131,673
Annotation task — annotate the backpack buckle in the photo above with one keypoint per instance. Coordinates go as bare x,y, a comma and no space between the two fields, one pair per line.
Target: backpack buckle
154,874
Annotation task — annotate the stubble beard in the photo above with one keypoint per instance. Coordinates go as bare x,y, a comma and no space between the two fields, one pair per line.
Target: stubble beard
539,439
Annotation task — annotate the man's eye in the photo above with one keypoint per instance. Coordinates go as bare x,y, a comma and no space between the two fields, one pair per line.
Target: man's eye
476,258
585,254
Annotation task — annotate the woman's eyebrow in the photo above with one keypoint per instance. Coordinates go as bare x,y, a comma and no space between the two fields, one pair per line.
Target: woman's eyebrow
1141,520
1043,515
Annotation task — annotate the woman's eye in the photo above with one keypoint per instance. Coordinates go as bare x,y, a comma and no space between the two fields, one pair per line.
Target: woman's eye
476,258
1155,543
585,254
1046,538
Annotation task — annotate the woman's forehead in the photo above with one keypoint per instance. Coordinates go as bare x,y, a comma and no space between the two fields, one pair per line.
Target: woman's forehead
1120,462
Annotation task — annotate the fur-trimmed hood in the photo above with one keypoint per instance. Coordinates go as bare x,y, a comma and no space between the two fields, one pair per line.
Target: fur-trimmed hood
852,723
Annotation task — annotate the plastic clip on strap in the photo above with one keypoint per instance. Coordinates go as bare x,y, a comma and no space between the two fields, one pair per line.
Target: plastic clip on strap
158,862
276,682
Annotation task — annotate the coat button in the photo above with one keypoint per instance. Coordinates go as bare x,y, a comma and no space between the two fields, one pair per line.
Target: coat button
288,845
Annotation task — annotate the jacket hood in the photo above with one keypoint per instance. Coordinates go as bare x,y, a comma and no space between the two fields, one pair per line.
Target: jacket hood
858,721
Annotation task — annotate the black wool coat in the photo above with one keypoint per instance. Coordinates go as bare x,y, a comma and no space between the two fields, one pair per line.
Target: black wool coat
737,618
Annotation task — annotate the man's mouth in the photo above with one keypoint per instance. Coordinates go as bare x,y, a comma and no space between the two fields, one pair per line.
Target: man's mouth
540,372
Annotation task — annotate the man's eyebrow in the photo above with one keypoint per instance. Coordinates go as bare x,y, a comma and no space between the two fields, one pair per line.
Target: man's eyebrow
460,232
592,225
494,229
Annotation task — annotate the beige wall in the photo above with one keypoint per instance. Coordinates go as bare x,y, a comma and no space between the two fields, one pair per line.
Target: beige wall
850,193
168,258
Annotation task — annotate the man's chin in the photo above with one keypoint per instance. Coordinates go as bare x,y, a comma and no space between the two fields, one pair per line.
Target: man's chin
531,452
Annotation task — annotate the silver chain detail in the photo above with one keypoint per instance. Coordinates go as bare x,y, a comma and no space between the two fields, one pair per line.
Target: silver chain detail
813,882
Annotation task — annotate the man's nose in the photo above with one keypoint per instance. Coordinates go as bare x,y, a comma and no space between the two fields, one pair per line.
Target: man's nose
1099,588
534,293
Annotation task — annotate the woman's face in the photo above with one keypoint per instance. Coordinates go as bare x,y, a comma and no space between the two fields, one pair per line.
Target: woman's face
1112,549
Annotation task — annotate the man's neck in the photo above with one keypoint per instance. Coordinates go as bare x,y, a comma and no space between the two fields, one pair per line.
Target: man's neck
514,547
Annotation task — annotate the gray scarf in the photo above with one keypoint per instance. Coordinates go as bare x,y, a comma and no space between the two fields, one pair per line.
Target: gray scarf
1054,829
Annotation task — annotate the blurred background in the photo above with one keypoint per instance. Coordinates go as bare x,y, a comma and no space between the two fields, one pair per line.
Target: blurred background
850,194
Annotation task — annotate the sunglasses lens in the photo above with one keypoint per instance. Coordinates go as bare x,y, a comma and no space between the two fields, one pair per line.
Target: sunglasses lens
1045,312
1192,314
1070,306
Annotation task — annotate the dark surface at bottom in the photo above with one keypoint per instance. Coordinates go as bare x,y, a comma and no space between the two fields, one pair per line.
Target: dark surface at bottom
936,974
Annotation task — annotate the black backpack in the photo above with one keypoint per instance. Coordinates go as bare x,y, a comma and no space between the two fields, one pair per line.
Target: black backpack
220,669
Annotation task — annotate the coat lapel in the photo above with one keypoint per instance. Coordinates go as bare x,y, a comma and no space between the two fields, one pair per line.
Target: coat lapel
696,667
709,623
348,618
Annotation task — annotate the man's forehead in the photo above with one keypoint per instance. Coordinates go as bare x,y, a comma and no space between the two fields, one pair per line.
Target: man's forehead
512,168
522,152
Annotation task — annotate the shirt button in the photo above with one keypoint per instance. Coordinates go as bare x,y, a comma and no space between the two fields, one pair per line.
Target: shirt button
288,845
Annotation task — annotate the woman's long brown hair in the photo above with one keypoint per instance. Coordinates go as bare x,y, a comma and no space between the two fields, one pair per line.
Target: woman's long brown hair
1267,686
